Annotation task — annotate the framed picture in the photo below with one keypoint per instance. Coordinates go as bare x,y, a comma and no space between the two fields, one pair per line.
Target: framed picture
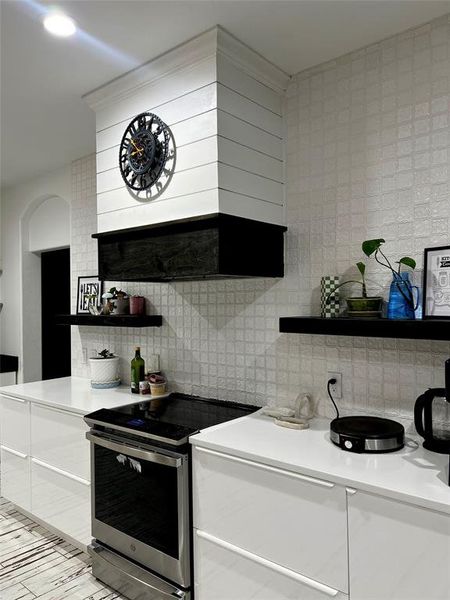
88,288
436,283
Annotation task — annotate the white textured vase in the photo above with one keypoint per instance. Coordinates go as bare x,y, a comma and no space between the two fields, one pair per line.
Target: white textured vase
104,370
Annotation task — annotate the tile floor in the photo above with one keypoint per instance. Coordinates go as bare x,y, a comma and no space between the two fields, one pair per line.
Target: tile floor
35,563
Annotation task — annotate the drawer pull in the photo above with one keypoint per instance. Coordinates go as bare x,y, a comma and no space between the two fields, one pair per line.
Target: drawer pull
45,465
55,409
291,474
325,589
15,452
15,398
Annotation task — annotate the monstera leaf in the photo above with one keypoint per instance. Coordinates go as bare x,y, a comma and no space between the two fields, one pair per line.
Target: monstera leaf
371,246
409,262
361,268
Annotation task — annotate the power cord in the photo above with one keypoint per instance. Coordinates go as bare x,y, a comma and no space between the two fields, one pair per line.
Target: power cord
331,382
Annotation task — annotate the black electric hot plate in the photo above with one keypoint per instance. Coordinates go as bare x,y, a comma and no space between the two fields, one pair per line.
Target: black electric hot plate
367,434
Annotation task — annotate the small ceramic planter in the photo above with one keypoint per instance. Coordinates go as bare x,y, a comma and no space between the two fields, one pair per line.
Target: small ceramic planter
104,372
364,307
121,306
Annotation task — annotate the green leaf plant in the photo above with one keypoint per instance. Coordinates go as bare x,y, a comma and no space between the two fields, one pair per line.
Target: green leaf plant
362,269
373,248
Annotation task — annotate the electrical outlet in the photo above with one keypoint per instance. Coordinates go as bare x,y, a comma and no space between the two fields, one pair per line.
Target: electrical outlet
335,388
84,356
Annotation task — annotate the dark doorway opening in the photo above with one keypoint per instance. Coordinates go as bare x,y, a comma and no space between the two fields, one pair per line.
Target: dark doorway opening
55,294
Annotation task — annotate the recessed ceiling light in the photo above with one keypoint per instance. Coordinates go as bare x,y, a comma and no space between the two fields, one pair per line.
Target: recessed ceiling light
59,24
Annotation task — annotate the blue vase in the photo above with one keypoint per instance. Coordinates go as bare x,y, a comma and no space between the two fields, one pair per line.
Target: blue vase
402,302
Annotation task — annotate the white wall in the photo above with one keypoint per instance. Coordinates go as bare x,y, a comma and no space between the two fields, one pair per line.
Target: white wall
49,225
22,267
368,144
227,133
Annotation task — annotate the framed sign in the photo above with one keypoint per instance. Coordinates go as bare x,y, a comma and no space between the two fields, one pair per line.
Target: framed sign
89,292
436,283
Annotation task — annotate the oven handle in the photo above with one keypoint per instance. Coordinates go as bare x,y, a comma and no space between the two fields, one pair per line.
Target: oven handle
146,455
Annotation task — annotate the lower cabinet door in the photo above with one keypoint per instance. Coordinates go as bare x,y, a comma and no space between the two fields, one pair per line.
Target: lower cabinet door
61,500
397,551
226,572
15,481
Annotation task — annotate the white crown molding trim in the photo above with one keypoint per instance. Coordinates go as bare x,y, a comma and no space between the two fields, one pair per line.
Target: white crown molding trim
183,56
250,61
210,43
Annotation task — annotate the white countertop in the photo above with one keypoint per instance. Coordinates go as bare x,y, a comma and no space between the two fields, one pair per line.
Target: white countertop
413,474
73,394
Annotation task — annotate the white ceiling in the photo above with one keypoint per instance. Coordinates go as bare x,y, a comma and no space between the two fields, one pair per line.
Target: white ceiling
45,123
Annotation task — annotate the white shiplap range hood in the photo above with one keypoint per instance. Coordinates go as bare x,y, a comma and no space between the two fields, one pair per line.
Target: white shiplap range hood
224,184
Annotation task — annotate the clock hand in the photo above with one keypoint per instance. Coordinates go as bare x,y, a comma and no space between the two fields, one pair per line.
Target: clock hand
138,149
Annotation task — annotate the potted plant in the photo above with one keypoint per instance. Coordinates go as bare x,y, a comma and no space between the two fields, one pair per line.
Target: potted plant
104,370
364,305
121,301
402,303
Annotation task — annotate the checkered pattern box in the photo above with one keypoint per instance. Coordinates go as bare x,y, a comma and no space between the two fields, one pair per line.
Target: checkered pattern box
329,296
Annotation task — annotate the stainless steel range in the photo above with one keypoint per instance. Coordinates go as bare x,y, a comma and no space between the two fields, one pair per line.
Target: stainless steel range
141,492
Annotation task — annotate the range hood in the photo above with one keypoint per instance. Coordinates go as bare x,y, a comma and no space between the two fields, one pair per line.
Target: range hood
216,210
210,247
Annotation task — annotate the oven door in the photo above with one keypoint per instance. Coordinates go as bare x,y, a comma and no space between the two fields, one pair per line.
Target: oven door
140,504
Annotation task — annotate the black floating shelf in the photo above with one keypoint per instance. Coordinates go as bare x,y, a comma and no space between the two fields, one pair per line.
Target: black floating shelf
8,363
426,329
111,321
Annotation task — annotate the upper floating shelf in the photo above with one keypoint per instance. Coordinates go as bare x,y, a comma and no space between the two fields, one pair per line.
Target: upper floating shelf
111,320
426,329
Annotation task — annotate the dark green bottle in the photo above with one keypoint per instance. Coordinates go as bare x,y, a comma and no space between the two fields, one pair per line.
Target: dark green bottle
137,371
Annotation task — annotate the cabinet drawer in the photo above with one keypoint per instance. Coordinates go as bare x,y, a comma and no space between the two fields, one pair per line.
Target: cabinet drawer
295,521
61,500
15,481
58,438
15,423
397,551
225,572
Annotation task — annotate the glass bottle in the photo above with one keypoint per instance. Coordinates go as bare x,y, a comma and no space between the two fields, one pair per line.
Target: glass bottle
137,370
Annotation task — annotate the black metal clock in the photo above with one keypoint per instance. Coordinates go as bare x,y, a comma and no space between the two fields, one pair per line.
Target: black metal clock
144,151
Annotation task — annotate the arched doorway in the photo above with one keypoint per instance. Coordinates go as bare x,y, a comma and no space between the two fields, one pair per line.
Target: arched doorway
45,228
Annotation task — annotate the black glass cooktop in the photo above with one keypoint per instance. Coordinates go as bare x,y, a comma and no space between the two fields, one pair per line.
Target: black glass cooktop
171,419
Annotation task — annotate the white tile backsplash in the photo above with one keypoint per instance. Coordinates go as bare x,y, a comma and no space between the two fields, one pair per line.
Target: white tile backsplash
367,156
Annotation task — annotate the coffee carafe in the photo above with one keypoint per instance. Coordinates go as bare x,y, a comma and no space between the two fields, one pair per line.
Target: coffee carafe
432,416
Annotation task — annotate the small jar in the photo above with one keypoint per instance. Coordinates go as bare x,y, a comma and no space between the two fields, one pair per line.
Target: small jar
137,305
158,389
144,387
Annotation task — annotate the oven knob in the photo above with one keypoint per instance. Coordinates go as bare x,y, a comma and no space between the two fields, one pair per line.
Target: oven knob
348,444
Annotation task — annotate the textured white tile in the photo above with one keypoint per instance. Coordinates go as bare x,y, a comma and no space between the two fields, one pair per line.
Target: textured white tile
367,156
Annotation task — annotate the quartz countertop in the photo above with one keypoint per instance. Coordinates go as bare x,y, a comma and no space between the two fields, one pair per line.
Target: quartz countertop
73,394
412,475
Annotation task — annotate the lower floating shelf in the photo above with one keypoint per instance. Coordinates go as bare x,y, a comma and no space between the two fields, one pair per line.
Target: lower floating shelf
426,329
111,320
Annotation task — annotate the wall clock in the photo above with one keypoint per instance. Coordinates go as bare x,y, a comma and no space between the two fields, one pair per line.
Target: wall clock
144,150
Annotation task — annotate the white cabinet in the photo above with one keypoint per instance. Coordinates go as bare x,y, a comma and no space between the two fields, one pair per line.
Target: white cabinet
45,465
58,438
15,448
16,477
226,572
265,516
15,423
397,551
61,500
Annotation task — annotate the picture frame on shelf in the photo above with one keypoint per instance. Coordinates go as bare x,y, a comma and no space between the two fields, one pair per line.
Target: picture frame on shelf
436,283
89,286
